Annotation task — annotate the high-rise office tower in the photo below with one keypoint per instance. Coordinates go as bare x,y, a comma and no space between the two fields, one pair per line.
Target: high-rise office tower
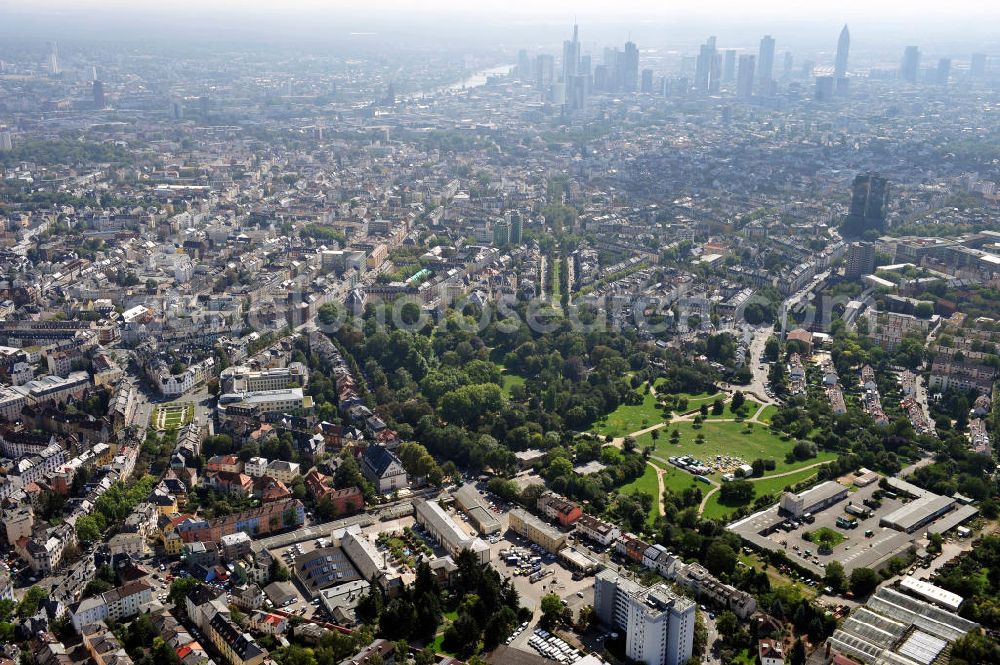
98,89
744,76
789,62
515,227
824,88
860,260
571,55
869,204
6,139
545,66
765,65
647,81
977,67
501,232
715,74
703,67
729,66
630,67
54,58
658,623
910,67
523,66
843,50
943,71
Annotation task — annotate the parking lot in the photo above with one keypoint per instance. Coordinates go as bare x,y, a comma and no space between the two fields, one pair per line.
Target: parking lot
866,545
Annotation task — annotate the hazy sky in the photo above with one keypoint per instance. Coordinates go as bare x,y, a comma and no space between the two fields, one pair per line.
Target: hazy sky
943,28
802,9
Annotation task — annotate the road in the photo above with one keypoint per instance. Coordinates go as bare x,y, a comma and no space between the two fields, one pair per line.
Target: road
758,384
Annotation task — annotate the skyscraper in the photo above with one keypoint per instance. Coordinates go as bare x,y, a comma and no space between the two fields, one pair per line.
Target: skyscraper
98,89
544,70
515,227
824,88
574,85
54,58
977,67
703,67
658,624
523,65
943,71
744,76
843,50
729,66
860,260
571,55
910,67
765,64
869,204
630,67
647,81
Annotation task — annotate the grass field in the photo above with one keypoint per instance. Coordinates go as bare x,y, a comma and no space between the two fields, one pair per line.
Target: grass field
749,408
775,485
172,416
511,380
767,413
728,438
826,536
629,418
646,483
715,510
676,480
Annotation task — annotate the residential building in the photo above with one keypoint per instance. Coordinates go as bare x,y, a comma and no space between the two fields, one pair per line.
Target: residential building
658,624
381,467
446,531
524,523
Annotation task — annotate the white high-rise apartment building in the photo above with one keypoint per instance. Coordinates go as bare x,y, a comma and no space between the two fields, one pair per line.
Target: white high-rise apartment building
658,624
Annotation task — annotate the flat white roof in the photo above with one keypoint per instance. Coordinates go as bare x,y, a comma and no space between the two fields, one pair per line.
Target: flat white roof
933,593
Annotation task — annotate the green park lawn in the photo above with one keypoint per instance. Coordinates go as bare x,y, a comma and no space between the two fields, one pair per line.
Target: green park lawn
749,408
774,486
511,380
768,413
646,483
629,418
728,438
676,480
765,485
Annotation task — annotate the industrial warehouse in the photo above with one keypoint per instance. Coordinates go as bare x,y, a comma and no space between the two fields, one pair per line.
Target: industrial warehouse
872,524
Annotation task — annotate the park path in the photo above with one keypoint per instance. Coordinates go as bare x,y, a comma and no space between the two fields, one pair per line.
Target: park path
716,486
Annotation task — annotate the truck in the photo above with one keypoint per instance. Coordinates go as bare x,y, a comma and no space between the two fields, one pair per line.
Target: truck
847,523
860,511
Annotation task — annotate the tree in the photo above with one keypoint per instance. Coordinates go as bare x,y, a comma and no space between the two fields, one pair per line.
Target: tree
739,399
585,619
864,581
736,493
835,577
798,655
279,573
179,589
29,603
718,407
720,558
974,648
552,610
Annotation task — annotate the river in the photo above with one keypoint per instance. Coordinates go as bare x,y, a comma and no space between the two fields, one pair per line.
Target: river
473,80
